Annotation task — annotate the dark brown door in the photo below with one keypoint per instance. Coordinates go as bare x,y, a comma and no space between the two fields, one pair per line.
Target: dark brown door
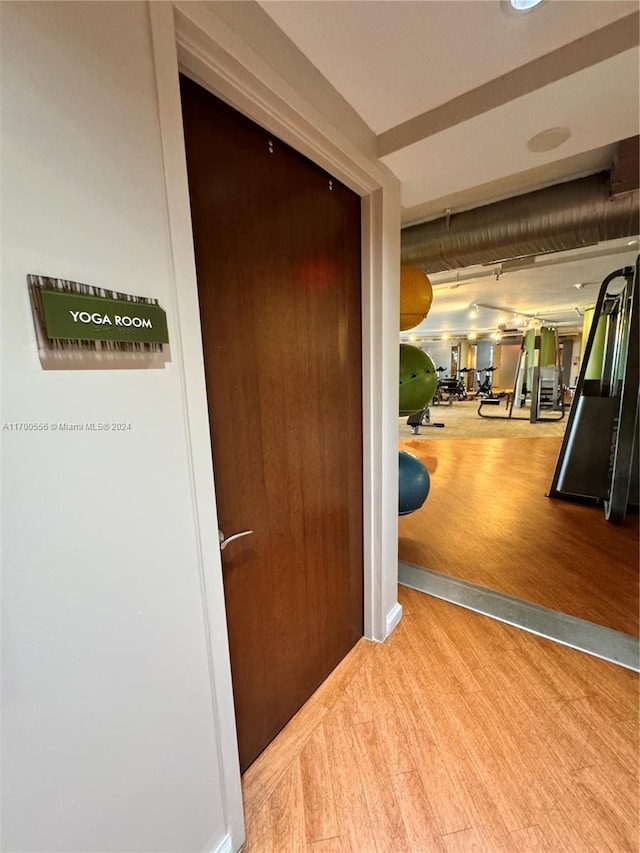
277,244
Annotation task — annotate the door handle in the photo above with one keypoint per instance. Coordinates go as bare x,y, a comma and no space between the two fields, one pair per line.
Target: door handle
224,540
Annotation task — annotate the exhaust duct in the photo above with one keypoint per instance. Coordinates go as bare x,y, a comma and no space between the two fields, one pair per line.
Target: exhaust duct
565,216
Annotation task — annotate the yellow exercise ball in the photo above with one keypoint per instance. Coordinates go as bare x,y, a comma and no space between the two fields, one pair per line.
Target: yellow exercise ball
416,296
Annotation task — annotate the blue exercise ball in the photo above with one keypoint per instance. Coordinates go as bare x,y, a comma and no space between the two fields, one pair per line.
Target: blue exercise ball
414,483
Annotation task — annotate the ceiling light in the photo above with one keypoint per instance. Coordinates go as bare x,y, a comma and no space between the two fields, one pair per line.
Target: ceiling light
472,336
446,336
520,7
413,337
524,5
474,312
548,139
517,319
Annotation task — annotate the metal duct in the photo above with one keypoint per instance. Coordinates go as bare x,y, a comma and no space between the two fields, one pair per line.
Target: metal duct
565,216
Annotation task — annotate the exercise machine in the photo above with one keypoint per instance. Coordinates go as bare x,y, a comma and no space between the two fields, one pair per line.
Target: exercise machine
453,388
546,383
598,459
421,419
464,378
485,386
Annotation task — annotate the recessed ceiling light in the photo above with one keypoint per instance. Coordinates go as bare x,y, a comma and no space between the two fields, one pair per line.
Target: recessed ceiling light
520,7
549,139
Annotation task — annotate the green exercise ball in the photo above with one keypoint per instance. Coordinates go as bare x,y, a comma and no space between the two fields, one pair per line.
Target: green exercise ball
413,483
418,379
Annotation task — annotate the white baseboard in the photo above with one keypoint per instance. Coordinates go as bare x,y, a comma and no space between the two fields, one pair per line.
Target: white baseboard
393,617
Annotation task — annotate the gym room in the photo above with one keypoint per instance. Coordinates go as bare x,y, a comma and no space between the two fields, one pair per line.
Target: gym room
504,344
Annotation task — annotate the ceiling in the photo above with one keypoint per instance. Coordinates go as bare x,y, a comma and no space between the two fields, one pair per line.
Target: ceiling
453,90
554,289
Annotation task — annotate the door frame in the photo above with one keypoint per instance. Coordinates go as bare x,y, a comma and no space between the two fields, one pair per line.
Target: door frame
189,38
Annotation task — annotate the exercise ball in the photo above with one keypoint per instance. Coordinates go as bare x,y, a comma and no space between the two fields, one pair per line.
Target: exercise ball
418,379
414,483
416,296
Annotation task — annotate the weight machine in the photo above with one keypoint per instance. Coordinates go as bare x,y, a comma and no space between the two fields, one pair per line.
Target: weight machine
598,459
547,388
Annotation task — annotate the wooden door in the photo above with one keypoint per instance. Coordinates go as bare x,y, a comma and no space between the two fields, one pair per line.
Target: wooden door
277,244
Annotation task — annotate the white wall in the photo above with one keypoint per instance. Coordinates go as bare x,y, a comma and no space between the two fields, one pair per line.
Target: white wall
109,739
441,355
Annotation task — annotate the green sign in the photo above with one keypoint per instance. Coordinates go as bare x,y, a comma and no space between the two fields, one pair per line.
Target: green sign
96,318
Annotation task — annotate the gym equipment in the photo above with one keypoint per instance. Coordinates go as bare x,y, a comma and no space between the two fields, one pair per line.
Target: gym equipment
437,397
420,419
464,378
413,483
598,459
418,379
453,388
484,387
416,296
547,388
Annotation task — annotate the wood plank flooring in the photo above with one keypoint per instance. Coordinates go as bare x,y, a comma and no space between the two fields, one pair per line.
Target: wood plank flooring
457,734
487,521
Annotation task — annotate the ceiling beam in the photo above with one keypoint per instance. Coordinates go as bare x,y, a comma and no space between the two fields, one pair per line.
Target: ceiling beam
582,53
625,168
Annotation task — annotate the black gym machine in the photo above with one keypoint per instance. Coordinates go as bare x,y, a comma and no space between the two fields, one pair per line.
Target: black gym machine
485,386
598,459
453,388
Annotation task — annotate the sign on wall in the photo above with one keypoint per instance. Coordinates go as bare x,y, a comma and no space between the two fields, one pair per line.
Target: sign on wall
80,326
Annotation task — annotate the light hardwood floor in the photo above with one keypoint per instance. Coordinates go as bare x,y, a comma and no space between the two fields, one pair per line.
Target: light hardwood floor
487,520
457,734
